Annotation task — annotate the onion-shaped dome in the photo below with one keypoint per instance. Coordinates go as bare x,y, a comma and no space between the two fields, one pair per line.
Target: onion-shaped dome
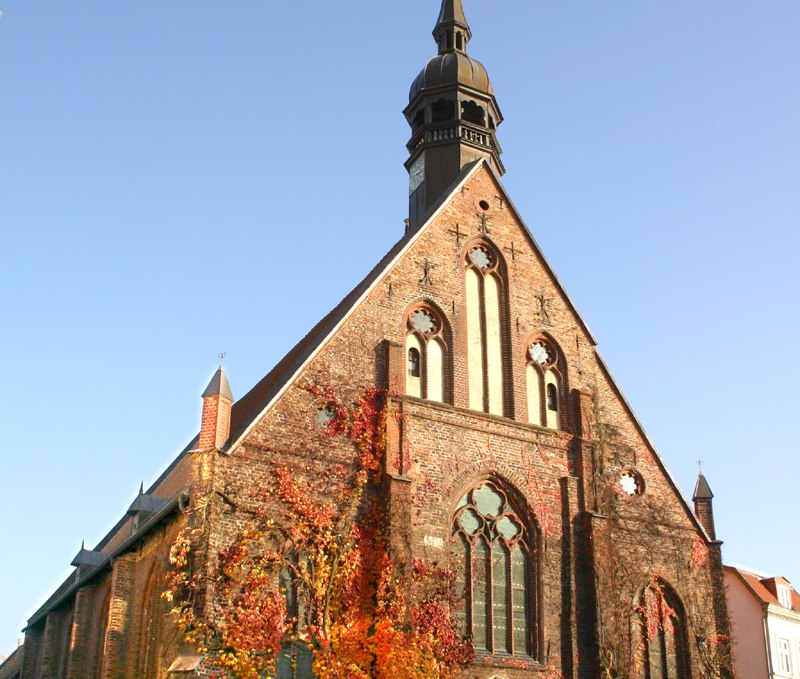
451,68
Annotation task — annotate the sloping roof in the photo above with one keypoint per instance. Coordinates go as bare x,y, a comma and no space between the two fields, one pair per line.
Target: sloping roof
702,491
219,385
12,665
759,587
251,405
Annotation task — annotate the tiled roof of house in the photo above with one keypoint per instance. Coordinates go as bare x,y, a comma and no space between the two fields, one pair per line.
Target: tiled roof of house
763,588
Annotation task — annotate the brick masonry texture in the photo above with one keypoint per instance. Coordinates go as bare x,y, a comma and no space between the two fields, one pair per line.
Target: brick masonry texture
594,546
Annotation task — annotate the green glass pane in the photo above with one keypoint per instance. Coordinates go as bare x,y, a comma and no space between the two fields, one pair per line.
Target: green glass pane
508,528
460,561
519,598
480,597
470,521
488,501
500,621
461,503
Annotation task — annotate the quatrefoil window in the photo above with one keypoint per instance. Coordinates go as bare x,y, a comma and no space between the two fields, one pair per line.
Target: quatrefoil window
480,257
542,354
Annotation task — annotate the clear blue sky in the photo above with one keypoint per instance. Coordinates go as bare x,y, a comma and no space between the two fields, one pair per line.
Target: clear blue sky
181,178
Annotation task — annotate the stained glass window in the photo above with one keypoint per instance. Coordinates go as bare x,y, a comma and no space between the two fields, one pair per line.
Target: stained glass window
491,554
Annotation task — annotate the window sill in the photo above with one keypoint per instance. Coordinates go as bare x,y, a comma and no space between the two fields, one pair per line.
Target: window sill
479,414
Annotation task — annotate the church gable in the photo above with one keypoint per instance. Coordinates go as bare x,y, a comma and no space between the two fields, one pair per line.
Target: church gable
484,326
495,394
441,474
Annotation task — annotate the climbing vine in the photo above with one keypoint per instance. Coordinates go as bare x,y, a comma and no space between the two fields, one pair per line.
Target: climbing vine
631,600
309,578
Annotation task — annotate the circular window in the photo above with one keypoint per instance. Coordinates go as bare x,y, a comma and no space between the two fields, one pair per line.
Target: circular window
631,482
423,321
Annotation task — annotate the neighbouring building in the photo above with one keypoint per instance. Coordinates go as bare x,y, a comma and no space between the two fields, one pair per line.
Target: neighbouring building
765,624
441,479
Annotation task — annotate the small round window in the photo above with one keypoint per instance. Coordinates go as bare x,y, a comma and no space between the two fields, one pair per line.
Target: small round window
631,482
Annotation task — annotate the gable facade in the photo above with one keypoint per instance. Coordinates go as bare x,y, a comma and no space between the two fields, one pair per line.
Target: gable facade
453,414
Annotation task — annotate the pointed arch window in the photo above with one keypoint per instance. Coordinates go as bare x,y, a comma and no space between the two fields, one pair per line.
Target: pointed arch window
663,631
484,287
426,354
492,553
544,384
295,659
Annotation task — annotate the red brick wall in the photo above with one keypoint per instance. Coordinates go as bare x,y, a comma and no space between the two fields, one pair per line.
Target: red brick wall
560,475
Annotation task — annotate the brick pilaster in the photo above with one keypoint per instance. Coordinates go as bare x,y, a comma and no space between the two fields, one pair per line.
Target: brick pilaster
56,641
32,652
118,639
570,547
80,634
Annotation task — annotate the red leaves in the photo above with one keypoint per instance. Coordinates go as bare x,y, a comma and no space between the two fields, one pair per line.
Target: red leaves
362,619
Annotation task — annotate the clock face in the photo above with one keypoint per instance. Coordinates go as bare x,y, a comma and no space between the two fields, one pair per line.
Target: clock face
416,174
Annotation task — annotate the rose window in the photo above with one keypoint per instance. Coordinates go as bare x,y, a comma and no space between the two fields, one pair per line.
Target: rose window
424,322
631,483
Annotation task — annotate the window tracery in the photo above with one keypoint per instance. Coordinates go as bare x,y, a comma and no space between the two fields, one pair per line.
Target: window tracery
663,632
426,354
495,576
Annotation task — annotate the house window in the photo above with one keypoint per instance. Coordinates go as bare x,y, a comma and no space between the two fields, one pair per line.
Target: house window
426,352
492,551
664,637
784,596
784,657
543,384
484,330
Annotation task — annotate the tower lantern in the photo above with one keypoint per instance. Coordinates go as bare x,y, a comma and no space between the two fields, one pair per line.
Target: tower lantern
452,113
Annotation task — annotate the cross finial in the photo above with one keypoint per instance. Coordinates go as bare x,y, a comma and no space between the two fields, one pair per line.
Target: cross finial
700,465
222,356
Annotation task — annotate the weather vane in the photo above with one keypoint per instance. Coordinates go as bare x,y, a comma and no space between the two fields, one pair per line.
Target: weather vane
222,356
700,465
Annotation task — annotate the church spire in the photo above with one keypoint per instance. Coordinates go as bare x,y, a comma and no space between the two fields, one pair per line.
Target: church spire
452,30
452,113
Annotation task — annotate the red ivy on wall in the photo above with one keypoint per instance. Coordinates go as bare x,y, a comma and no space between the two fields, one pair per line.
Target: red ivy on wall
359,614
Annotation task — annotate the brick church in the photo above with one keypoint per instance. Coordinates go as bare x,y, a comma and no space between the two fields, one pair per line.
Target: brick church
441,479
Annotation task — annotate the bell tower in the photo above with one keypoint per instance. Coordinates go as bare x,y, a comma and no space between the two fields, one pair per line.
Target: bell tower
452,113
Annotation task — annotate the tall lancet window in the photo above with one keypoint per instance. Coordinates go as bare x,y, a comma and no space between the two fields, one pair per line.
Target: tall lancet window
426,352
665,644
492,554
544,383
484,330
